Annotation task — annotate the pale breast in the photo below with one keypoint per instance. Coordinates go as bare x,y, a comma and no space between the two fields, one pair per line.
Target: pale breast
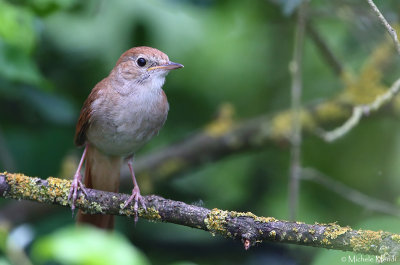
122,124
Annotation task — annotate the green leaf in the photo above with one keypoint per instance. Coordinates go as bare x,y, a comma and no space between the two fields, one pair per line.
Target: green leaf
17,41
48,7
18,66
17,26
87,246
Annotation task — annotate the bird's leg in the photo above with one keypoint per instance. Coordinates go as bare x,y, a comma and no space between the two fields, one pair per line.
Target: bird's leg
136,197
76,182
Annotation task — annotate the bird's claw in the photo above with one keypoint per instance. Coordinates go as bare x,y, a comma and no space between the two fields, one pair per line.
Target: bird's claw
138,199
73,192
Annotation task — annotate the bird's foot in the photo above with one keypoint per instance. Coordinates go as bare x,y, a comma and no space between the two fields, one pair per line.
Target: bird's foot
73,192
138,199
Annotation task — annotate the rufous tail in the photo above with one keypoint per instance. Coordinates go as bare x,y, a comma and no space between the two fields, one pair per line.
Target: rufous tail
101,173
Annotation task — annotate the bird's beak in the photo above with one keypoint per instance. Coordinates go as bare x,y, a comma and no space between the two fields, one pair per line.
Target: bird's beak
167,66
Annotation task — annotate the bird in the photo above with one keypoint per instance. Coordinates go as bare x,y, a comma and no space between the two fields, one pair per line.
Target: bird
122,113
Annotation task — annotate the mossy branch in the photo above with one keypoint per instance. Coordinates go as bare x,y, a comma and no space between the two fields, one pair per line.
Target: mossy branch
247,227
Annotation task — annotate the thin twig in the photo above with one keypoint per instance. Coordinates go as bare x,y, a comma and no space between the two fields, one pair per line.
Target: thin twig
296,90
359,112
323,47
384,22
350,194
246,227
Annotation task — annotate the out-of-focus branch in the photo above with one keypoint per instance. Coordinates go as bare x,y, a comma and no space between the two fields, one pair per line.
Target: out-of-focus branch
296,90
384,22
350,194
365,109
325,51
359,112
247,227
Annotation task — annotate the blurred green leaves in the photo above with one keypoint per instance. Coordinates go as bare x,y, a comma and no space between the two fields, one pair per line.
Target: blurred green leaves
16,26
4,262
17,42
47,7
86,246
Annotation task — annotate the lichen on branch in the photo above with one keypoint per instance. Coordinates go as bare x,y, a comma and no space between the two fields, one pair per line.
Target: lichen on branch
246,227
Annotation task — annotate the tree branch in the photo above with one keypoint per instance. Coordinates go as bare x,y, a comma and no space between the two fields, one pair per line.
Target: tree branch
359,112
350,194
247,227
325,51
384,22
296,66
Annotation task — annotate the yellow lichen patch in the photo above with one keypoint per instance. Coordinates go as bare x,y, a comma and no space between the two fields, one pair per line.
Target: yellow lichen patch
333,231
240,214
30,188
91,207
281,126
23,186
223,123
365,240
396,237
171,166
272,234
216,221
311,231
58,189
265,219
325,241
330,110
251,215
368,85
363,90
151,214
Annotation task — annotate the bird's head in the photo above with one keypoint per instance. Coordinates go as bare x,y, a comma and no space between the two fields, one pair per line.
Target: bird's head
143,65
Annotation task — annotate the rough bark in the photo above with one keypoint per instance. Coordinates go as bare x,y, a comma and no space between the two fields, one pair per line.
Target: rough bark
246,227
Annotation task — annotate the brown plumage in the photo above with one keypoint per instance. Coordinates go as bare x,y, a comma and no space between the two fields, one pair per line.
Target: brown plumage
123,112
84,117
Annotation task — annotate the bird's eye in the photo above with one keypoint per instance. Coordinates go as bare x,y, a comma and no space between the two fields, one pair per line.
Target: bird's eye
141,62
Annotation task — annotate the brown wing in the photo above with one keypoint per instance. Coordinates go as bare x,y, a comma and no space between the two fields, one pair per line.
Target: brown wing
82,125
84,118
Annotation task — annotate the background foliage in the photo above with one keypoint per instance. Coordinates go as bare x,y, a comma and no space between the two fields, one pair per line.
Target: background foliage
235,52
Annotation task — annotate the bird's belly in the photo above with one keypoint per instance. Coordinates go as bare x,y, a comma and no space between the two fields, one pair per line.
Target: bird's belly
123,135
